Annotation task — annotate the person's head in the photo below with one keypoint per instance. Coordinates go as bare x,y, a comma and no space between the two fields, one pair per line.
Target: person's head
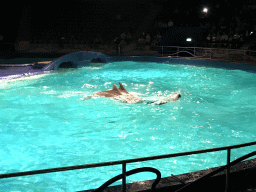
176,96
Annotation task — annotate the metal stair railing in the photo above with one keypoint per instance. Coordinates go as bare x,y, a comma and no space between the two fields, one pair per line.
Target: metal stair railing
131,172
239,185
207,176
125,162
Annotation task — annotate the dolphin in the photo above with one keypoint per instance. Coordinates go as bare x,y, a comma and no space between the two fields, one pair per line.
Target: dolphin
118,94
122,89
127,97
109,93
123,95
169,98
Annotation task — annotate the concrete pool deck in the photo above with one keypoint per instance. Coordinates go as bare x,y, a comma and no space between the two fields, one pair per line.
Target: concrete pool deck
12,71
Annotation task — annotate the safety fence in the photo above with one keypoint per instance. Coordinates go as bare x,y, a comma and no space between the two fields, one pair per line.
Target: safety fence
133,49
232,55
127,173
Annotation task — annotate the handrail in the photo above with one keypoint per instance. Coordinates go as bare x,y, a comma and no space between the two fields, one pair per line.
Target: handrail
124,162
209,53
217,171
131,172
60,169
242,50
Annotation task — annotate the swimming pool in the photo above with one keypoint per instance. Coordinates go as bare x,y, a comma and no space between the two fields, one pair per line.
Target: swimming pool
45,124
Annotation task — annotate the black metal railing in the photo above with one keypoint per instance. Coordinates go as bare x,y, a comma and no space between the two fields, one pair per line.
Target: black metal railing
128,161
222,54
131,172
227,167
195,185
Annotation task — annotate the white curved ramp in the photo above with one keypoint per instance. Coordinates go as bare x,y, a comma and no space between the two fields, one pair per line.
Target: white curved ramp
77,59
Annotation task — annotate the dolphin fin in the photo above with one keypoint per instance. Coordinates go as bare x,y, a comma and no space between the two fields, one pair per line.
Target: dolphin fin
121,88
114,88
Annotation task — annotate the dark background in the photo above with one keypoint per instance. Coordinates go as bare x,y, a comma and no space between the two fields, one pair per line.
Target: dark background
85,20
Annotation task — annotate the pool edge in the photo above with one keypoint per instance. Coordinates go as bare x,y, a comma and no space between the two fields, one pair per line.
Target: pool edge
172,183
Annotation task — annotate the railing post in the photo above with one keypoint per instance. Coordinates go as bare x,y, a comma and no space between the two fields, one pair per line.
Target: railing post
228,169
162,51
244,57
178,51
124,177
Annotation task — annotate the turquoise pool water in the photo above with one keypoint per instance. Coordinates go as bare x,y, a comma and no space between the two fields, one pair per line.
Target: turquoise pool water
45,124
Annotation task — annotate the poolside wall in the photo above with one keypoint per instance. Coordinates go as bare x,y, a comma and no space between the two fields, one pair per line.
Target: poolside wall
84,58
187,61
